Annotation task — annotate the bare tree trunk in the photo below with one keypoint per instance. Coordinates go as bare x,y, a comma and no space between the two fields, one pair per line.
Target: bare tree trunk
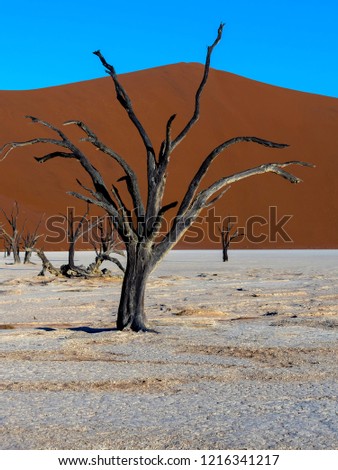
225,253
131,309
13,238
46,264
227,238
71,255
16,255
225,244
28,255
94,268
30,240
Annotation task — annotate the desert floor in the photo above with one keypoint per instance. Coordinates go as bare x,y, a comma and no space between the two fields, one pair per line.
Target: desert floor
246,357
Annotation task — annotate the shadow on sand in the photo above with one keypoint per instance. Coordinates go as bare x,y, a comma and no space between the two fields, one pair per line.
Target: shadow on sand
85,329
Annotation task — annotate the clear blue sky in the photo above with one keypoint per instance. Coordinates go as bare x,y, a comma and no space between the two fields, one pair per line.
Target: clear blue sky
289,43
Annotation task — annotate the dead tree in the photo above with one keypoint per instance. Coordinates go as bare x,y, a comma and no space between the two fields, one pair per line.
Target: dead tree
7,247
12,238
140,234
29,241
46,264
105,244
227,237
75,230
77,227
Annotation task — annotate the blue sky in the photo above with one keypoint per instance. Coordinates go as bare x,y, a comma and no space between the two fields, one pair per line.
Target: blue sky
289,43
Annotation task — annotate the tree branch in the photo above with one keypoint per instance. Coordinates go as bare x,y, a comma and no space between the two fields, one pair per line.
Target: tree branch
167,207
107,257
126,214
102,192
13,145
217,198
131,178
76,154
183,221
277,168
118,220
81,229
49,126
50,156
196,113
195,182
165,150
125,101
157,182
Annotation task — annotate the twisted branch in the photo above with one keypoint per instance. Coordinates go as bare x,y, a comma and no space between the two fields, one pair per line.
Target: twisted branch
183,222
196,181
131,177
200,89
125,101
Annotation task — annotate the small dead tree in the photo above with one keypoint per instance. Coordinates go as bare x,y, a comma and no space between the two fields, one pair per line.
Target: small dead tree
227,237
105,244
12,237
46,264
7,247
76,228
140,234
29,241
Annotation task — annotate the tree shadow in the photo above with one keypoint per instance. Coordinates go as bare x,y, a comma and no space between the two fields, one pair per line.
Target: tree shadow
84,329
90,330
45,328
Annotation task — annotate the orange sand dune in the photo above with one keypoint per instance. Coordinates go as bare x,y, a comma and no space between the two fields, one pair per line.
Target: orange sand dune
230,106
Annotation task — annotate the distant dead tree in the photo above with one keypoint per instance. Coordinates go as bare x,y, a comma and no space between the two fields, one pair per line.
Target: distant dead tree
7,247
47,266
29,241
140,233
13,235
227,237
78,227
105,244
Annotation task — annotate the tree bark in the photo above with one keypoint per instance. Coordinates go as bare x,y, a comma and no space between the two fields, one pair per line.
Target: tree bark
94,268
16,255
46,264
71,254
131,309
28,255
225,254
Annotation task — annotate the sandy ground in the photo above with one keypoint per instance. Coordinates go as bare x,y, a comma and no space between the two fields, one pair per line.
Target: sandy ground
246,357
